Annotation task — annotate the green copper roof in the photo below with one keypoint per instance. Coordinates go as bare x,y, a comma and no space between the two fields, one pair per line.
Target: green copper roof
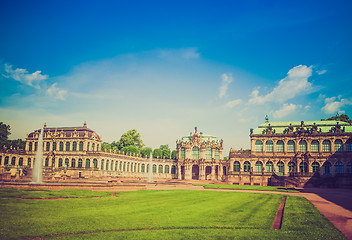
206,138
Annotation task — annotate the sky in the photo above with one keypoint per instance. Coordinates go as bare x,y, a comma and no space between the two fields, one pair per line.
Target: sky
165,67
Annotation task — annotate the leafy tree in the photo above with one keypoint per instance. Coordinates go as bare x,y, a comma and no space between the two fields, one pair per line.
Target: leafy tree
133,150
174,154
166,153
132,137
342,117
157,153
4,134
162,147
18,143
106,146
145,152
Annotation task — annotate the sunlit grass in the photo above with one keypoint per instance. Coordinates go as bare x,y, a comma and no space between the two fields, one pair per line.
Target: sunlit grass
247,187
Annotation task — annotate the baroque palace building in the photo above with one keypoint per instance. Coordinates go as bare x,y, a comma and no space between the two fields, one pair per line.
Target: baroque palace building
302,153
200,157
76,152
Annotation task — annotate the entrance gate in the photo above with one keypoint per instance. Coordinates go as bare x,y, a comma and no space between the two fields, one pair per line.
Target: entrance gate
195,172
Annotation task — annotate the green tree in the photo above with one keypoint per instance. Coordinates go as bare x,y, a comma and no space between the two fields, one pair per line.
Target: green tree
106,146
133,150
166,153
132,137
342,117
145,152
174,154
4,134
18,143
157,153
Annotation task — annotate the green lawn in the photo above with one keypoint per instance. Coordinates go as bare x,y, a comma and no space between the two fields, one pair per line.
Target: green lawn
171,214
247,187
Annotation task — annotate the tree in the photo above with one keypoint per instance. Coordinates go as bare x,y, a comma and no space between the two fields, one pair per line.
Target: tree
132,137
18,143
145,152
342,117
133,150
4,134
174,154
157,153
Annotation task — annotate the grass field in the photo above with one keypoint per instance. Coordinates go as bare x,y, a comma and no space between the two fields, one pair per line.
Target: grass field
174,214
247,187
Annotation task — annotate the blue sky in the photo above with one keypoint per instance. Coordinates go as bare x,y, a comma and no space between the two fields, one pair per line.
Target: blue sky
164,67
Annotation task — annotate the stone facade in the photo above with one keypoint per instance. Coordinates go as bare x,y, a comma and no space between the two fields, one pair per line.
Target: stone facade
200,157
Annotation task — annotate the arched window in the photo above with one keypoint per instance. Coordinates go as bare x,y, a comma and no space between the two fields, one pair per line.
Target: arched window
349,145
67,146
314,146
6,161
143,168
87,163
247,166
280,168
107,165
302,146
217,154
303,167
269,146
88,146
259,167
35,146
236,166
97,147
292,167
258,146
116,167
13,161
95,163
208,153
61,146
173,169
102,164
167,169
93,147
326,146
46,163
195,153
47,146
30,146
67,162
79,163
315,167
124,166
29,162
54,146
183,153
160,169
269,167
81,146
60,162
280,146
291,146
74,146
20,161
338,145
327,168
349,168
73,163
120,166
154,168
53,162
339,168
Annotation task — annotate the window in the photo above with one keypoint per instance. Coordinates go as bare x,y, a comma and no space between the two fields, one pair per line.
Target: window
13,161
35,146
327,168
29,162
0,160
291,146
54,146
74,146
20,161
349,145
80,146
217,153
73,163
258,167
269,167
280,168
93,147
349,168
173,169
208,153
292,167
143,168
258,146
88,146
154,168
236,166
61,146
247,166
67,146
315,167
46,164
30,146
107,165
339,168
6,161
87,163
97,147
303,146
338,145
303,167
269,146
60,162
326,146
102,164
160,169
314,146
280,146
167,169
47,146
67,162
95,163
183,153
53,162
195,153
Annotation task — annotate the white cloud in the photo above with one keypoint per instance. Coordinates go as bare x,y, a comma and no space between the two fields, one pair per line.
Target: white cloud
183,53
334,105
22,76
233,103
56,92
307,108
285,110
321,72
296,83
226,79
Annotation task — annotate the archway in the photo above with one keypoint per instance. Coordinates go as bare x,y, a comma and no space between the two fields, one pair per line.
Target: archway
182,172
195,172
208,173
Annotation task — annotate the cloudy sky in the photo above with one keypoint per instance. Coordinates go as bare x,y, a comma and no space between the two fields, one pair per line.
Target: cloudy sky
164,67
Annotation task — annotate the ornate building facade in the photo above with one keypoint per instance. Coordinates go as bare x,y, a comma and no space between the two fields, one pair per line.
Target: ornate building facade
76,153
303,152
200,157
